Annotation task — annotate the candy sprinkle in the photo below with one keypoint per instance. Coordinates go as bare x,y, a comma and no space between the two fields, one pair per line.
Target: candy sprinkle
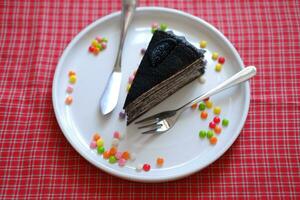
218,129
130,79
202,79
115,142
209,134
159,161
106,154
146,167
69,89
217,119
202,134
204,114
203,44
201,106
122,115
69,100
101,150
113,150
96,137
128,87
209,104
100,142
218,67
118,155
194,106
117,134
225,122
213,140
126,155
71,73
217,110
112,160
215,56
72,79
139,167
93,145
163,26
221,60
212,125
143,51
122,162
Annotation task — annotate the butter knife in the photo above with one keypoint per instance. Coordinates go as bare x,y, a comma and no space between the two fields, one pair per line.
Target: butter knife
109,98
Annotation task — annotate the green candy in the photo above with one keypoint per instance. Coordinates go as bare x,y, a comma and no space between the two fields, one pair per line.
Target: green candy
202,134
163,27
202,106
210,134
153,30
112,160
100,150
225,122
104,40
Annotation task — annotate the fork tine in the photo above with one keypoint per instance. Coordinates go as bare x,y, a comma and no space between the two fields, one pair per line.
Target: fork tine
151,118
150,131
153,125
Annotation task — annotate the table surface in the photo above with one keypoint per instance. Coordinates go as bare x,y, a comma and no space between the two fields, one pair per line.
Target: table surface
36,161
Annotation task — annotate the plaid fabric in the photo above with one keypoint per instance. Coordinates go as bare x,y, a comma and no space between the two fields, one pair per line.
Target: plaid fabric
36,161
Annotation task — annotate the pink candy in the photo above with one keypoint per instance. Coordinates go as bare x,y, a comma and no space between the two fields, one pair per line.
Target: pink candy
118,155
117,134
99,39
122,162
93,145
69,89
130,79
154,25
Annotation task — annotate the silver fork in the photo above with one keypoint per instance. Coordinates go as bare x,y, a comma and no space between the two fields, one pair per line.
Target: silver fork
164,121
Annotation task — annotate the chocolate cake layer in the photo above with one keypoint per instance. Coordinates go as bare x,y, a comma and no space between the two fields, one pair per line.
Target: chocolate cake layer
163,90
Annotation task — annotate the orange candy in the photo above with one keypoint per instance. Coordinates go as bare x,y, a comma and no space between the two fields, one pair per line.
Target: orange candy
126,155
218,129
72,73
204,115
96,137
69,100
213,140
106,155
159,161
194,106
113,151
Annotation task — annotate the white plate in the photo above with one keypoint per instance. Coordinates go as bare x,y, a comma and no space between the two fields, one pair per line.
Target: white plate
184,152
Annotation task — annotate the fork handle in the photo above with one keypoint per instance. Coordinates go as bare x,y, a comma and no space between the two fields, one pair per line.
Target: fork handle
239,77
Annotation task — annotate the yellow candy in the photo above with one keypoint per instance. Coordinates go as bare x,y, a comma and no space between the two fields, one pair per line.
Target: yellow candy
72,79
95,43
215,56
100,142
208,104
217,110
218,67
203,44
128,87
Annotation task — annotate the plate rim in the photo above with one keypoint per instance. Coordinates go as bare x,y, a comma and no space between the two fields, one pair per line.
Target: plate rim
139,178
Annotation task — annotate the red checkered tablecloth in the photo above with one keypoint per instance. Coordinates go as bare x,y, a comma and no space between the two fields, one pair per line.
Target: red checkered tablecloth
36,161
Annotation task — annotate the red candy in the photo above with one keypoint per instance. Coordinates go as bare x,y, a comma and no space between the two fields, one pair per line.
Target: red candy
212,125
91,49
221,60
217,119
146,167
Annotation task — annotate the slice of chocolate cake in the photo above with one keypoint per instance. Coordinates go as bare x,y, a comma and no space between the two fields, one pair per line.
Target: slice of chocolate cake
169,63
